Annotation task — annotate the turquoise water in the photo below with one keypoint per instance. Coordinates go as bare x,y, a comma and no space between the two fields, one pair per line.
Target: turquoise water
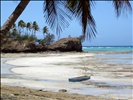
125,55
106,48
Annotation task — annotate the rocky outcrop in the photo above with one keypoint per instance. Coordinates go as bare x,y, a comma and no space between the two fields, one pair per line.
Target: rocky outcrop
41,48
63,45
14,46
66,44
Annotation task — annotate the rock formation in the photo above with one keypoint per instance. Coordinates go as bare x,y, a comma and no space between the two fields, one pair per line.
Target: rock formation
14,46
62,45
66,44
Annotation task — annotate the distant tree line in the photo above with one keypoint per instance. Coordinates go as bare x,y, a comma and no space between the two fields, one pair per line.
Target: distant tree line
48,37
27,31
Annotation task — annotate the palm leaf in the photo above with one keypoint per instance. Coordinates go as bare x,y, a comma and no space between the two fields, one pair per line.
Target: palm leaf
55,15
58,18
122,6
82,10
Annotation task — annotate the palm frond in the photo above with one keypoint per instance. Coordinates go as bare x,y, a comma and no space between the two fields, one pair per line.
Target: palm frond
121,6
55,15
71,5
82,10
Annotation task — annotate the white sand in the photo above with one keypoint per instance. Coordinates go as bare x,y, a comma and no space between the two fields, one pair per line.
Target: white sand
52,72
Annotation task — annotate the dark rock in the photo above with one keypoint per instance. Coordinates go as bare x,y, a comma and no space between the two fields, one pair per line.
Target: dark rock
40,90
14,46
62,90
66,44
40,48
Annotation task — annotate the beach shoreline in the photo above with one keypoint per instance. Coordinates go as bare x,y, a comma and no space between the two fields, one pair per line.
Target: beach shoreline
23,93
67,62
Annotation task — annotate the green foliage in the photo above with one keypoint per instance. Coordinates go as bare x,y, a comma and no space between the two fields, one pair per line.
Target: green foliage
28,37
45,30
49,38
28,26
26,31
40,41
21,26
35,27
19,32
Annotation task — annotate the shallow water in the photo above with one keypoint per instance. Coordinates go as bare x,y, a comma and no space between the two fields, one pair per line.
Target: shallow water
126,58
120,93
5,68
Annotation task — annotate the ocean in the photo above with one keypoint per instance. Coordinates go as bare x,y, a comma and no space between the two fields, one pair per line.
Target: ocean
121,55
106,48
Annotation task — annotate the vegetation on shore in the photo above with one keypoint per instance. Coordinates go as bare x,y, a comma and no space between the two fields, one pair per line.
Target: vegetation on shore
27,31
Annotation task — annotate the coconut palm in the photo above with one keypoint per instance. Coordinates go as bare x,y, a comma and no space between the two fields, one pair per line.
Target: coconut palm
35,27
49,38
58,18
12,33
21,25
28,26
45,30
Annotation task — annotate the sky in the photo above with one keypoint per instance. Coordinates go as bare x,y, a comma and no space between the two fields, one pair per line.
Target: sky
111,30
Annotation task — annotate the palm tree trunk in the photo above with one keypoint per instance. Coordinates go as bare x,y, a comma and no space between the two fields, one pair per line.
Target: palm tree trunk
27,31
14,16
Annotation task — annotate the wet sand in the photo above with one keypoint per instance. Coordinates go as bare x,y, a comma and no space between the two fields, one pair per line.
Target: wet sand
51,72
22,93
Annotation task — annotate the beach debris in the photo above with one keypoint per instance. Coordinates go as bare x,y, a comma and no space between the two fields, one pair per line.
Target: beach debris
62,90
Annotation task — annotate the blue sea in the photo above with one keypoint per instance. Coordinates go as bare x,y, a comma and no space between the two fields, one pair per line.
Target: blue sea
106,48
121,55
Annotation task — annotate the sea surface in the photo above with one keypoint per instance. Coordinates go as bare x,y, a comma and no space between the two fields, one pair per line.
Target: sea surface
121,54
107,48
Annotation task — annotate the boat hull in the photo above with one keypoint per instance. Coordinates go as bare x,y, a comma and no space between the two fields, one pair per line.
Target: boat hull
78,79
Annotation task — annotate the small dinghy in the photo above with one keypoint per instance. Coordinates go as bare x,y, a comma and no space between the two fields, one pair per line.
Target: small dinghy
78,79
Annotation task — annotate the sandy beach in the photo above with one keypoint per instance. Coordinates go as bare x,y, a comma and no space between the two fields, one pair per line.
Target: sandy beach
51,71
